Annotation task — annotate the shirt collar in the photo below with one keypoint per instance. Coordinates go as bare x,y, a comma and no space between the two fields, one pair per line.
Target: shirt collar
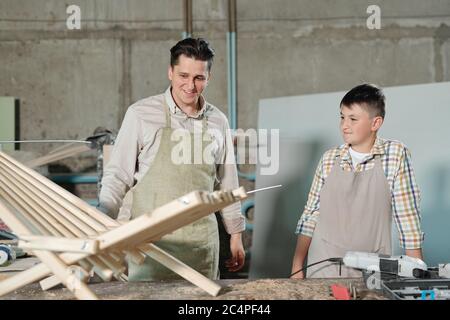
377,149
175,109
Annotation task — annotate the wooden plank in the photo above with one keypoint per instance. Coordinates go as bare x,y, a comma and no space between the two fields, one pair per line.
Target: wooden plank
47,186
49,204
181,269
58,155
188,209
53,262
59,244
34,207
76,202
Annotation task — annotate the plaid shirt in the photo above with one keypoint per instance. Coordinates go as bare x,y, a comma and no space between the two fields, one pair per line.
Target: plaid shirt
396,163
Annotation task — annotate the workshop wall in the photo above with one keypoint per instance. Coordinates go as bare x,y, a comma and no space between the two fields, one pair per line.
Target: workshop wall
71,81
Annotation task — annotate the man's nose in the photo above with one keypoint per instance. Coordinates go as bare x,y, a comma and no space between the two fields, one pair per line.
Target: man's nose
191,84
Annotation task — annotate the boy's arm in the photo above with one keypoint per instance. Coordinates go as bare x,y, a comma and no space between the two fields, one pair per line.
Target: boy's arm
301,251
308,220
406,207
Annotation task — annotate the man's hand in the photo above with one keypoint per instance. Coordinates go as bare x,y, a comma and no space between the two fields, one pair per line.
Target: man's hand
236,262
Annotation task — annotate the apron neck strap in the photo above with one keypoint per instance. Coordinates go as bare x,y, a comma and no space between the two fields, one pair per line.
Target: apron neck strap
167,112
169,124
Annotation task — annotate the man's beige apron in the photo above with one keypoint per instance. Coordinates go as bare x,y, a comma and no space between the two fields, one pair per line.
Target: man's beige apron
196,244
355,215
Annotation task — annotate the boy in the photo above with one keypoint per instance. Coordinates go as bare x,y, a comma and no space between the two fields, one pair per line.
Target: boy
358,188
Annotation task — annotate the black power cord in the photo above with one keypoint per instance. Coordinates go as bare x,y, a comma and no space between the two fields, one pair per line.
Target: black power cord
335,260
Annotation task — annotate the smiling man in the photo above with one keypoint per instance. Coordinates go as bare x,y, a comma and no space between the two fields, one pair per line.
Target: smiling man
143,160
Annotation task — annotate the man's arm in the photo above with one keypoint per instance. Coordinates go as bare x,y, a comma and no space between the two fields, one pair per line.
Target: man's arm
118,175
405,207
234,221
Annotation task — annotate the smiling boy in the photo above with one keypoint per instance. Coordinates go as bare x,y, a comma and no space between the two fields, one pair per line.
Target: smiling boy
358,188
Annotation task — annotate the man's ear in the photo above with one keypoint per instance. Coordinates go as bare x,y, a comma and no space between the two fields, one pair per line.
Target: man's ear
170,72
377,123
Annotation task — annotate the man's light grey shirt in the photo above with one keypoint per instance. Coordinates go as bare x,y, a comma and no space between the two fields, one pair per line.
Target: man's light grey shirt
138,141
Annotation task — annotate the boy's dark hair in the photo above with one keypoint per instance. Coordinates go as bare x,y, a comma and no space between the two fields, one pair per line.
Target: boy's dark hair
369,96
198,49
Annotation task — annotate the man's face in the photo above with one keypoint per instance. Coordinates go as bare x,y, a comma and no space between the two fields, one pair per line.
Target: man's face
189,78
357,125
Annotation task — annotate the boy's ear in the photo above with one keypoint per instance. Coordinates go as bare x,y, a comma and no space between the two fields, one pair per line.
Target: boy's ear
376,123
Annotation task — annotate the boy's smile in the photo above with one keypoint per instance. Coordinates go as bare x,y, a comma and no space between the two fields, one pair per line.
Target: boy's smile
358,127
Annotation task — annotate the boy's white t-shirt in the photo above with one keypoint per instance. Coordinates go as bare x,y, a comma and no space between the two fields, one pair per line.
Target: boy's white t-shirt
357,157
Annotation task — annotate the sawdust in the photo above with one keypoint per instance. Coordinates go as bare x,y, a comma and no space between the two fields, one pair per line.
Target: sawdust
242,289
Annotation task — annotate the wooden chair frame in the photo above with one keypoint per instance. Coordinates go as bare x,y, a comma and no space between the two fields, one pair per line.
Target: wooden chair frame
74,240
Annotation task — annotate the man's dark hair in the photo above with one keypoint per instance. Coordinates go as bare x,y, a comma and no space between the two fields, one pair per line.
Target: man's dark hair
368,96
197,49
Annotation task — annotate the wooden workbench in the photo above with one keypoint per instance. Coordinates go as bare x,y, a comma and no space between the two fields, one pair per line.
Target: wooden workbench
240,289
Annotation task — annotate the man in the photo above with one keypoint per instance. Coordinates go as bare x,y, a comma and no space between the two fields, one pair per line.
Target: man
144,159
357,189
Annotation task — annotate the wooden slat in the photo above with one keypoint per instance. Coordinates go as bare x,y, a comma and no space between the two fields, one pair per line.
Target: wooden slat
58,155
181,268
58,244
53,262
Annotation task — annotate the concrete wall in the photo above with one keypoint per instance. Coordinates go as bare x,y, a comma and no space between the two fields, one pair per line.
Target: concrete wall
71,81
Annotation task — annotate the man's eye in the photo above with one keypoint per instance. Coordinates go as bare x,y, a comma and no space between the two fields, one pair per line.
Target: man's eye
184,75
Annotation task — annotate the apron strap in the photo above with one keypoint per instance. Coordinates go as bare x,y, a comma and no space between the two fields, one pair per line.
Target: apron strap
204,124
167,111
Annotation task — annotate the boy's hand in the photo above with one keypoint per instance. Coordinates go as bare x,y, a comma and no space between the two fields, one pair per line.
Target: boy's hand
299,275
236,262
414,253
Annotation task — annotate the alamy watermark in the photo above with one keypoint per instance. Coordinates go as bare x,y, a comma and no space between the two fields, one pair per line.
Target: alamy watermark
374,20
214,146
73,21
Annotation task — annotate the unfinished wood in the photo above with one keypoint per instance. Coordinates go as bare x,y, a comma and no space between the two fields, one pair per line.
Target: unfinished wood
103,271
64,196
38,223
76,202
58,155
59,244
34,207
62,215
100,268
181,268
52,261
143,224
163,220
65,275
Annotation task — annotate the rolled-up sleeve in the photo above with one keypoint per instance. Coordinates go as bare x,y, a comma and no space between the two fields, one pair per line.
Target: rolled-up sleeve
308,220
233,219
406,204
118,174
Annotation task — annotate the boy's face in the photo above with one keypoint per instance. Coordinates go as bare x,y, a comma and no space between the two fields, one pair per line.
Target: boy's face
357,125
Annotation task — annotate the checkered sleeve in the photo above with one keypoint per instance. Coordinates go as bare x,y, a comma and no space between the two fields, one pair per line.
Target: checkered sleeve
406,203
307,222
